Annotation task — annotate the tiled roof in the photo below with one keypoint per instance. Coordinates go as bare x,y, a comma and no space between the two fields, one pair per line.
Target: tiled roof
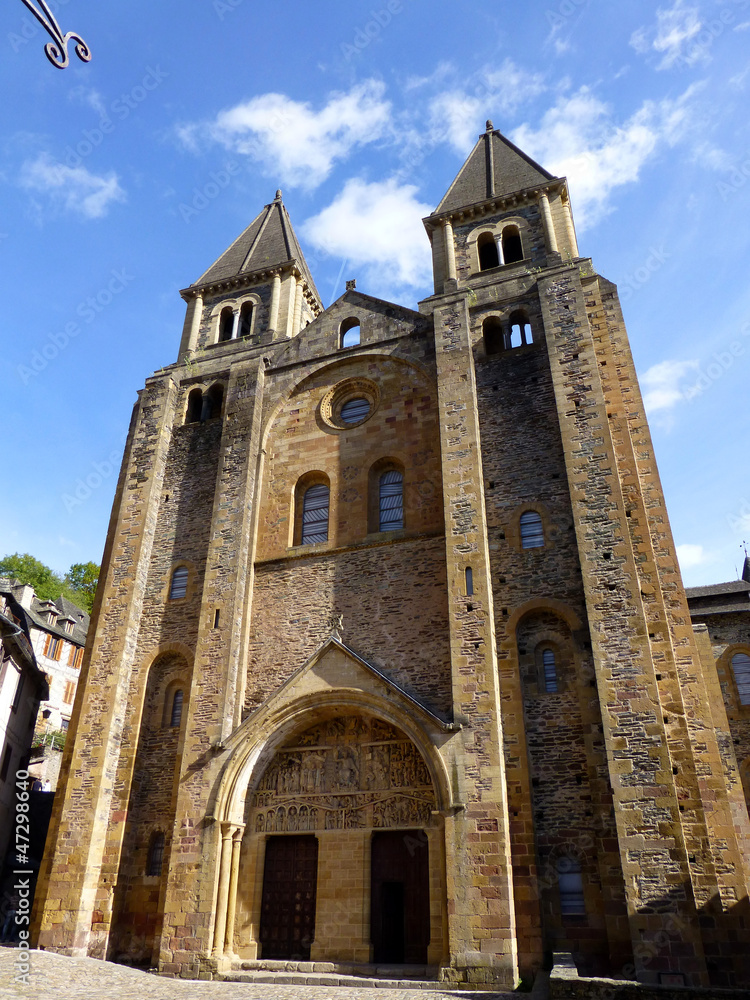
495,168
33,616
268,241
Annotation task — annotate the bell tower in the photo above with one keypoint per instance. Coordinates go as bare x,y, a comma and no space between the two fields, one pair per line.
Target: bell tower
619,802
259,290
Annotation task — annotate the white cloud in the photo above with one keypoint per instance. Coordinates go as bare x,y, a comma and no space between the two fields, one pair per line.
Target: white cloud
75,189
577,139
690,556
453,118
377,226
511,86
89,96
676,36
661,384
293,141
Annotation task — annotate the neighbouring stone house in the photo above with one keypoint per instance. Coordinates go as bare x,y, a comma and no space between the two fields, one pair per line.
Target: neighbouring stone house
391,658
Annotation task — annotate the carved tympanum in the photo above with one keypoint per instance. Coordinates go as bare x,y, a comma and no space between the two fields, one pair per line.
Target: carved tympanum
344,774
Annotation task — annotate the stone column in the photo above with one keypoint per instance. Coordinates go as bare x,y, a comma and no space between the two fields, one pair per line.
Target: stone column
298,307
235,325
192,326
273,315
570,229
549,225
222,902
450,250
499,245
234,876
290,307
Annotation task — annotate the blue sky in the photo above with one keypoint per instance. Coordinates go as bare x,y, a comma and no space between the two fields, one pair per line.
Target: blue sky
122,179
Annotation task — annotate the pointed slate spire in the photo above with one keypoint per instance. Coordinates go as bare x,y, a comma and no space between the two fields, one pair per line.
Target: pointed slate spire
746,569
269,241
495,168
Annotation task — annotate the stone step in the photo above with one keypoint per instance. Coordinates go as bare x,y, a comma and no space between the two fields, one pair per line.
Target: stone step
359,982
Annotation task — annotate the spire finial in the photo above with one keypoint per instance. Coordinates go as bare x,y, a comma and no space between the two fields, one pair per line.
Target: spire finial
746,567
278,195
489,126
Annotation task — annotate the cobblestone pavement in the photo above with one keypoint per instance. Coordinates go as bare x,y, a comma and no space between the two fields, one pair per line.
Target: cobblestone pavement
54,976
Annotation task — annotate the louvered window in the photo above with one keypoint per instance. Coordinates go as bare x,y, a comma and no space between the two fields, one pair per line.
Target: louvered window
176,715
315,515
741,669
550,670
532,532
155,855
391,501
570,883
354,410
178,588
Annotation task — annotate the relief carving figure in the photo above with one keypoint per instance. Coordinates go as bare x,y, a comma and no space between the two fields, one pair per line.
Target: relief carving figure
365,758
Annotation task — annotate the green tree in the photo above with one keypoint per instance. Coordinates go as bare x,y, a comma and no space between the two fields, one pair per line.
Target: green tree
83,578
47,584
78,584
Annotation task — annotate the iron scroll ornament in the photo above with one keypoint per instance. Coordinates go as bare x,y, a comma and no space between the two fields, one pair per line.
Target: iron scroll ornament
57,50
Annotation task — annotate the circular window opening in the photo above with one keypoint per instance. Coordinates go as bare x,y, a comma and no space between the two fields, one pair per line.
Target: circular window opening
354,410
350,403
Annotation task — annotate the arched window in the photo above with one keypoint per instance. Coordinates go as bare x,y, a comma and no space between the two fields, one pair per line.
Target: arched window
391,501
350,333
520,330
315,514
512,246
175,716
741,671
195,406
570,883
487,249
212,402
532,530
178,587
550,670
492,331
226,324
246,319
155,855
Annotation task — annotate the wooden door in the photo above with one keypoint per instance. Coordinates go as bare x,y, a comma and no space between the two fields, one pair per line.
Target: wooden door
290,880
400,913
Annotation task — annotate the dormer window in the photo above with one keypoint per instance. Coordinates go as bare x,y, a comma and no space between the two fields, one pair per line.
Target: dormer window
488,255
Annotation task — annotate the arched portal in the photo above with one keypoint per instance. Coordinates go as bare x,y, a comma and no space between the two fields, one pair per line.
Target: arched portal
340,858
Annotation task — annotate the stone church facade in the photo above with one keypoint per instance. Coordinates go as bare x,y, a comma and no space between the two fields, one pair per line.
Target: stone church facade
391,660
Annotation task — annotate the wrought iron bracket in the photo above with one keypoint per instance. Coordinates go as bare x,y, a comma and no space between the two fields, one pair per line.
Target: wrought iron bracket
57,50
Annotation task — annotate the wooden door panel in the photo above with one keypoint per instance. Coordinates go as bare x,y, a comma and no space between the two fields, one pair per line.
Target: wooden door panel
400,913
287,916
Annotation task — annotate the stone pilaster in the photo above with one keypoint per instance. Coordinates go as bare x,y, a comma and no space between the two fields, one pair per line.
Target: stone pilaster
481,919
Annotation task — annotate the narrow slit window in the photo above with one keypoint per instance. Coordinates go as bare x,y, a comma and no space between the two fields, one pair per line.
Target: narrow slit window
155,855
195,406
176,714
315,515
391,501
741,671
570,883
178,588
469,576
532,530
550,670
